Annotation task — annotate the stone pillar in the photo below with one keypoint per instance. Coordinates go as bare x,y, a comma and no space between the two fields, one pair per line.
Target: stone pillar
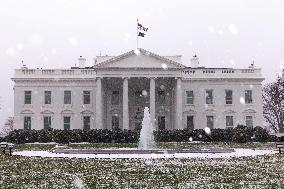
125,114
152,102
178,112
99,107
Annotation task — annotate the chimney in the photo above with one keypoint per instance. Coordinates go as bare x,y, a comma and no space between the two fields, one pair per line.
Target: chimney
251,65
82,62
194,61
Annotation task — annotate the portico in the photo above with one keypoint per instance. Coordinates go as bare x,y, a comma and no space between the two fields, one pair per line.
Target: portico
122,102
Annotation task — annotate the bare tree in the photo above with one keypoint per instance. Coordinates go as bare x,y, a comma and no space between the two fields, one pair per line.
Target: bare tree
8,126
273,104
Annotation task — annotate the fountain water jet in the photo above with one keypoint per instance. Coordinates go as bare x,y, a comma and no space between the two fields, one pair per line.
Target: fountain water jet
146,140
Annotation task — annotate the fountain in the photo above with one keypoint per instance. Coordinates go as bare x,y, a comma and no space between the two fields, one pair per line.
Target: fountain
146,140
146,146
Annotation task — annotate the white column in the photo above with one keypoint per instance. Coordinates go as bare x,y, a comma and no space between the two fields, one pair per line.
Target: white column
152,102
178,112
125,114
99,115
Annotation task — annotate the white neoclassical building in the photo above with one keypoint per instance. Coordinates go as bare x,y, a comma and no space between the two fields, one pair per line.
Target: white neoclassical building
113,93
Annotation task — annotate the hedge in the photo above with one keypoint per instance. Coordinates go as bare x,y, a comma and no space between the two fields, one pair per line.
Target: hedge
239,134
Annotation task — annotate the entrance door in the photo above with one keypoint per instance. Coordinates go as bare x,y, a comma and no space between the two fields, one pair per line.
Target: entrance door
115,122
161,122
190,122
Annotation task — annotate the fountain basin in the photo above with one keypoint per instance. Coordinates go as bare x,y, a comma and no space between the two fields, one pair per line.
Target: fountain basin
140,151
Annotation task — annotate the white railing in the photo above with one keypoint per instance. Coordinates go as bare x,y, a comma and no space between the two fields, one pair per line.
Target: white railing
221,73
47,73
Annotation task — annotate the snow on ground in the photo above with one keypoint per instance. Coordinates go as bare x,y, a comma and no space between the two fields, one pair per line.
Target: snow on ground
239,152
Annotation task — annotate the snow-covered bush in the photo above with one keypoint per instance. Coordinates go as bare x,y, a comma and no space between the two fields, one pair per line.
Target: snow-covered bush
242,134
260,134
239,134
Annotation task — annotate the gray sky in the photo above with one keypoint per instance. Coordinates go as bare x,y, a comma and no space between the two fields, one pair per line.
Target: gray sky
54,33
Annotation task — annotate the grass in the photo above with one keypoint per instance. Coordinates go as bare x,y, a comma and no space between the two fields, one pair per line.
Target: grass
242,172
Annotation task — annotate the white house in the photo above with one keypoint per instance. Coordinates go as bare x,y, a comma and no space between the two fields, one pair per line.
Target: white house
113,94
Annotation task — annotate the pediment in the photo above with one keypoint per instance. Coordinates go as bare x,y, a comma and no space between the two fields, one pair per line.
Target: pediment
87,112
139,58
27,112
46,112
66,112
229,112
190,111
210,111
249,111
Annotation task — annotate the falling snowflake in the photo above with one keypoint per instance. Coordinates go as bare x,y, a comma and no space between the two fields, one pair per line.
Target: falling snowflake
259,44
78,183
211,29
207,130
190,139
54,51
20,46
164,66
242,100
233,29
144,93
73,41
162,87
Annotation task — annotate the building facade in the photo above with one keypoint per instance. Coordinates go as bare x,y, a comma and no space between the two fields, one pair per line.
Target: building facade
114,92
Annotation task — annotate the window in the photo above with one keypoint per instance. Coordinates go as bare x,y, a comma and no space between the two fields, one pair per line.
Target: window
189,97
229,121
249,121
86,122
47,122
47,97
161,97
248,96
190,122
209,96
115,98
27,123
66,122
28,97
229,97
67,97
87,97
210,122
115,122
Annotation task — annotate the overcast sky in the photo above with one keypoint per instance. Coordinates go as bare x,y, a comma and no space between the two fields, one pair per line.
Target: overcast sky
54,33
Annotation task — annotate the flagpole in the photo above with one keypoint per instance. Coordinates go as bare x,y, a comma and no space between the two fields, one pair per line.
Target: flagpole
137,34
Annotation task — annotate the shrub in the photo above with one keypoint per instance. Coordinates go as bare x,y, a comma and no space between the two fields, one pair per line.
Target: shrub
260,134
66,136
242,134
239,134
45,135
221,135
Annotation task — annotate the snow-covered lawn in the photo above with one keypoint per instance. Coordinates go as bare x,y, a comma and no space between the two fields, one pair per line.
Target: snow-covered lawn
244,168
237,153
